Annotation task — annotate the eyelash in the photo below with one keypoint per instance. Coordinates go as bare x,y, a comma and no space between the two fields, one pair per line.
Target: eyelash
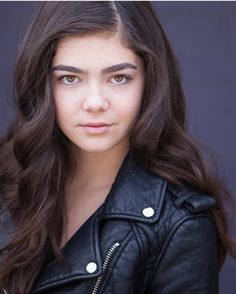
127,77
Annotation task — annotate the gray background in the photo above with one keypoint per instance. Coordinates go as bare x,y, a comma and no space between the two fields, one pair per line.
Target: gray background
204,39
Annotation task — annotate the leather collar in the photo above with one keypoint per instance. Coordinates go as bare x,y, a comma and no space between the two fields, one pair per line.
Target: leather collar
133,190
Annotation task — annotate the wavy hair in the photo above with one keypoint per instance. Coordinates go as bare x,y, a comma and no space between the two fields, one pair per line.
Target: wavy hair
35,156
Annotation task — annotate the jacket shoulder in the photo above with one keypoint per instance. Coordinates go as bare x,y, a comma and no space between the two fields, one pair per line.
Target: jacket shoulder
190,199
185,218
181,207
180,204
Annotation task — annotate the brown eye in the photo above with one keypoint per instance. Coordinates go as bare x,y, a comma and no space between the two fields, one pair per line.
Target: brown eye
119,78
68,80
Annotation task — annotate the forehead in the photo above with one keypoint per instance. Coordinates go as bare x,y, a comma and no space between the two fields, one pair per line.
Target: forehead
94,50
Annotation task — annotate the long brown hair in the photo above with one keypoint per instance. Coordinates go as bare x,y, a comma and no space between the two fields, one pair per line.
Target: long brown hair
35,156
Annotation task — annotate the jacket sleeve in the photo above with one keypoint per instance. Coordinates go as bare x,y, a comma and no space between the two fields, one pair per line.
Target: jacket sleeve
189,262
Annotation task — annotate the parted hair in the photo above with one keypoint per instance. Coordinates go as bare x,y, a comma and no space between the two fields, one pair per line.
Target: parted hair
35,156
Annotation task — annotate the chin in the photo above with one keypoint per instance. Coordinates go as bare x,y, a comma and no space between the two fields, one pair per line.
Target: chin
95,150
95,147
98,145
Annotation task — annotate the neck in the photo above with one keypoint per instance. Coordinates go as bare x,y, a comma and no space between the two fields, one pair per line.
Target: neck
98,169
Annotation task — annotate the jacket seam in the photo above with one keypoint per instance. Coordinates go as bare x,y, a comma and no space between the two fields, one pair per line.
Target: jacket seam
137,237
169,237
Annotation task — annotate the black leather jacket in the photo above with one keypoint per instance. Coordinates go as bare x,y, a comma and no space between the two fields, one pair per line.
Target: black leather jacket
147,237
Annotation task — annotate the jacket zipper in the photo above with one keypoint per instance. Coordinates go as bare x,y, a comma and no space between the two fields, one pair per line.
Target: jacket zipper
104,266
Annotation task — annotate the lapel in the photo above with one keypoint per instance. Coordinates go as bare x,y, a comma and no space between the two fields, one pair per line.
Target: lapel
82,248
133,190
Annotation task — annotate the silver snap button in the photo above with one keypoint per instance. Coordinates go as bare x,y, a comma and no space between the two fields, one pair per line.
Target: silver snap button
148,211
91,267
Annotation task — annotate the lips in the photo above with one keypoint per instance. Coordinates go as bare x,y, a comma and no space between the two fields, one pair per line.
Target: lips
99,124
96,128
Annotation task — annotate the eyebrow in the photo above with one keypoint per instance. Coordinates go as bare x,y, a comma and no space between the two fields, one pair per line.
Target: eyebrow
110,69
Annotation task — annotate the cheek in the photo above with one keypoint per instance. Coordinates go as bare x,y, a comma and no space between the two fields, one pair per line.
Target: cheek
133,102
133,108
63,114
62,108
128,108
65,104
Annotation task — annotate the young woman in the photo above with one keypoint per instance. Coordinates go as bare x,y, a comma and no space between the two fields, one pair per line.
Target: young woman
102,188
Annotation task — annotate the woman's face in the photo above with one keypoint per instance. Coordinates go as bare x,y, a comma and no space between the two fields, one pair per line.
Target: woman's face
98,86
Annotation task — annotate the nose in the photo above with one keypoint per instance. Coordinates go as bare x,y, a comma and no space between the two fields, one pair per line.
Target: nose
95,99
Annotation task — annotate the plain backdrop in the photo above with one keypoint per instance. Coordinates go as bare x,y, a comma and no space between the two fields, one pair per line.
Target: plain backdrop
203,37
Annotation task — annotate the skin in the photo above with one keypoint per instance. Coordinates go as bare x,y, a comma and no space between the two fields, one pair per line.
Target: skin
95,96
